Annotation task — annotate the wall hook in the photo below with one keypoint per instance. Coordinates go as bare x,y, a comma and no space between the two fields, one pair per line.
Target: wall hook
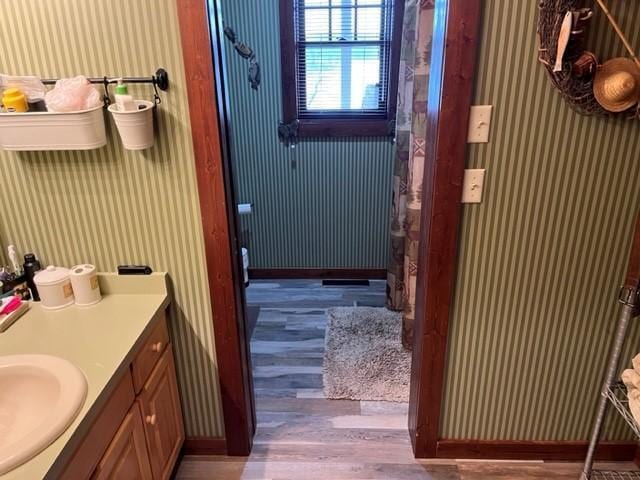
161,79
106,98
156,97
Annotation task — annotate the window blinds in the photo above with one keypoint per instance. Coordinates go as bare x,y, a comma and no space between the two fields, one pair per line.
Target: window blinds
343,57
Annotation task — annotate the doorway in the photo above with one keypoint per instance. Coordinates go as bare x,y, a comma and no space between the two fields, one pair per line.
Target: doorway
455,38
315,208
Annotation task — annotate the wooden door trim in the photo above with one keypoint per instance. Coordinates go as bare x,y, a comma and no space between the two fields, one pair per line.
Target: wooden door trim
204,446
454,54
201,52
562,450
456,36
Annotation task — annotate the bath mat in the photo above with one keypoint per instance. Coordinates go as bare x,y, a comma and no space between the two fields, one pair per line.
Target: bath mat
364,358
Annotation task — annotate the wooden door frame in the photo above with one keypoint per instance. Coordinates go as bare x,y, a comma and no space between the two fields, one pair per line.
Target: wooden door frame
455,49
204,72
456,35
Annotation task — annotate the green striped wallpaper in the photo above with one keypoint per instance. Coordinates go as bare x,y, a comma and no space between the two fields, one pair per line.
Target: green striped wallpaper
323,204
110,206
541,259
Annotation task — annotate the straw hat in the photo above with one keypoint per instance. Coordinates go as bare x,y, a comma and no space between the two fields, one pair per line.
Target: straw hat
617,84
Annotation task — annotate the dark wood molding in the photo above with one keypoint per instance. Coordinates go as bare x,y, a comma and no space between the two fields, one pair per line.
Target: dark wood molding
337,126
632,279
455,38
317,273
394,61
532,450
204,446
288,61
207,110
340,127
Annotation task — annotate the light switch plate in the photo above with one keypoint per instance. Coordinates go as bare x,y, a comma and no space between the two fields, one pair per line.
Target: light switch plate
479,124
473,185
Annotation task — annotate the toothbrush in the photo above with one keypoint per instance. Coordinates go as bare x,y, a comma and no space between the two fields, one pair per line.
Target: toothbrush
11,305
13,258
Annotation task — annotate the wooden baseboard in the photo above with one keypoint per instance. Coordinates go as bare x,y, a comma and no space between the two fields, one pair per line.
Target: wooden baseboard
477,449
317,273
532,450
204,446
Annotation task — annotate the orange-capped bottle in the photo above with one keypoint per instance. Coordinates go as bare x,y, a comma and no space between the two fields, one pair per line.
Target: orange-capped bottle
14,101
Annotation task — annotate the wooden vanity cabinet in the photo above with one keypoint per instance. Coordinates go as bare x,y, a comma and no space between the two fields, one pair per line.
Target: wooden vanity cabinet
139,432
127,455
160,407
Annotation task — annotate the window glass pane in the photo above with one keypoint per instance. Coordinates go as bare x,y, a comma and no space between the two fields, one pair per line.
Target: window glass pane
343,56
323,83
342,24
365,78
316,25
342,78
369,23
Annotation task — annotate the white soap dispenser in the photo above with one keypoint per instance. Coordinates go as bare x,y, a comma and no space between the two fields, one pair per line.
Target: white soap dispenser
124,101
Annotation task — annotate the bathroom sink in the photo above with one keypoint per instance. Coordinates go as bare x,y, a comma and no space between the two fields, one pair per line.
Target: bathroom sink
40,396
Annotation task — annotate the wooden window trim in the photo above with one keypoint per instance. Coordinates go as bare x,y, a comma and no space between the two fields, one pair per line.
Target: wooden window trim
358,126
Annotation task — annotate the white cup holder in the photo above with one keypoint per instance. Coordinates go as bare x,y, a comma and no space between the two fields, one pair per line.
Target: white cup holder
135,127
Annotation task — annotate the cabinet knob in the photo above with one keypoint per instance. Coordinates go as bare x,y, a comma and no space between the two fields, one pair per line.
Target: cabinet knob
151,419
156,347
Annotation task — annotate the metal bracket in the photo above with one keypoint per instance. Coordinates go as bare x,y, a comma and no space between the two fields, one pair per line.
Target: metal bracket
288,133
628,296
161,79
391,130
106,98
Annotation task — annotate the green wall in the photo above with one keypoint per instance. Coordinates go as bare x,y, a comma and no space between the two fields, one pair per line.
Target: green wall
543,256
109,206
325,203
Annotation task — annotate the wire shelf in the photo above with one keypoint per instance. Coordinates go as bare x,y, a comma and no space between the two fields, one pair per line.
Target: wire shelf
617,395
614,475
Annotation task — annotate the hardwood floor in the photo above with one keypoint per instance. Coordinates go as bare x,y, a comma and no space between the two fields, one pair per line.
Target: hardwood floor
302,435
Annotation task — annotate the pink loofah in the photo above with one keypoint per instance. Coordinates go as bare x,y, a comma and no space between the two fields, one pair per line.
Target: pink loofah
72,95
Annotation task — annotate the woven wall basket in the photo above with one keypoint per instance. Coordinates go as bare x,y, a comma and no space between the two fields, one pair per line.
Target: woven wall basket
575,80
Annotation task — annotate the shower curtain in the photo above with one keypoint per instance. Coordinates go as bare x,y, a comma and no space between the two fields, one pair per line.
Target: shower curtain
409,161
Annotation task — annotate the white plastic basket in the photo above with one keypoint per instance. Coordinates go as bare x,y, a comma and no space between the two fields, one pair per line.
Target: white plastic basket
82,130
135,127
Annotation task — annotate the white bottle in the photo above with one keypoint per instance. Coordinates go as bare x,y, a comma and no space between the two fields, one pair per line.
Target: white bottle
13,258
124,101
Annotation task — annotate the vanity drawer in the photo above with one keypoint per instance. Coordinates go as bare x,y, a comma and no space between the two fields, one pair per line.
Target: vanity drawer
149,354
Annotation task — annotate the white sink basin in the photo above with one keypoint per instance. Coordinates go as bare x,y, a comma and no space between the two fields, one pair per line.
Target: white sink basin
40,395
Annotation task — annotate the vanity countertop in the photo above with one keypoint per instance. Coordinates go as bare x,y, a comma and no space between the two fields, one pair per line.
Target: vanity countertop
100,340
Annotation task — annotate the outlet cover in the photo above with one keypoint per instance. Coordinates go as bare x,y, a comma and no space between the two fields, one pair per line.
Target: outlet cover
473,186
479,124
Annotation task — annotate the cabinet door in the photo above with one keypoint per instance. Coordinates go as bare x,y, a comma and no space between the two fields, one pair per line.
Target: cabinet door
162,417
127,455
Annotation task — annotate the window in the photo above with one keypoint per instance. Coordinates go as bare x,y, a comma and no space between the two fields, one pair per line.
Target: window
340,65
